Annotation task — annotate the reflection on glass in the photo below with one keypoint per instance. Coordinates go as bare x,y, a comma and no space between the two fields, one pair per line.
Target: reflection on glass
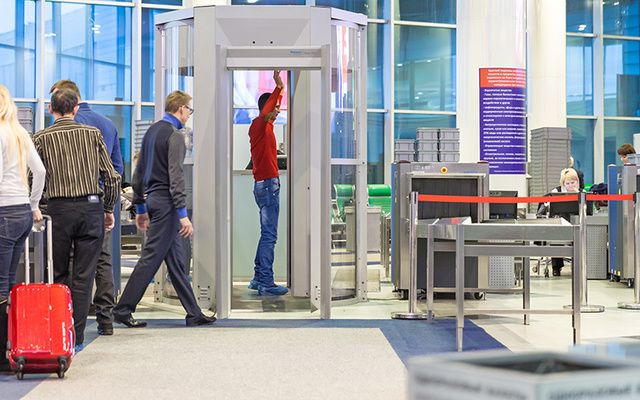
344,88
375,147
343,246
121,118
441,11
17,47
407,124
377,9
621,78
91,45
579,76
615,134
425,68
147,60
580,16
620,17
582,146
375,65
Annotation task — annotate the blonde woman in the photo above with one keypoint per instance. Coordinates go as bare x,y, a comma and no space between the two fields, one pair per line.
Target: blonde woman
18,205
569,183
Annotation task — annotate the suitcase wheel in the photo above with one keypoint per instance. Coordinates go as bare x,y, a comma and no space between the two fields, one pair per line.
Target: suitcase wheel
62,367
20,370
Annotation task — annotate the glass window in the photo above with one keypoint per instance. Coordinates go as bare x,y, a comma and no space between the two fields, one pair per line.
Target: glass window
148,113
121,117
148,61
375,65
375,148
165,2
268,2
582,146
425,73
91,45
357,6
615,134
621,17
440,11
621,78
17,47
580,16
377,9
405,125
579,76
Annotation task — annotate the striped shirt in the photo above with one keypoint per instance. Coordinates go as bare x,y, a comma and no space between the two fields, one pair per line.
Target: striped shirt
75,157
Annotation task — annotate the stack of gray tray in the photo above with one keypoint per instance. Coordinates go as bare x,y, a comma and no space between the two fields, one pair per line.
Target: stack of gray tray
141,127
25,117
449,145
404,150
426,144
550,151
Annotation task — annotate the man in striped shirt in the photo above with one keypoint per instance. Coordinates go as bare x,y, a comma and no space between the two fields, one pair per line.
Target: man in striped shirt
75,158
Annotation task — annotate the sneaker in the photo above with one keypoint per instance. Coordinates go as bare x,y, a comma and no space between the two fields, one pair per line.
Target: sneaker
274,290
253,285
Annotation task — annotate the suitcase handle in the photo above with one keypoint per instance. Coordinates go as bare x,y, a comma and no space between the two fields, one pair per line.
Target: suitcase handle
49,235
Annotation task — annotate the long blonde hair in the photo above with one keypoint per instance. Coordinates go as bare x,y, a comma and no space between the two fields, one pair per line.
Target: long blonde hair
14,135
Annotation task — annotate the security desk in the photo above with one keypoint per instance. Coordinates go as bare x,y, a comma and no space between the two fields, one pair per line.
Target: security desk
464,238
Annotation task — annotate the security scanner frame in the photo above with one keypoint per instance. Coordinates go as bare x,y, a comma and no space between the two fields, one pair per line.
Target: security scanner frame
323,51
622,180
409,177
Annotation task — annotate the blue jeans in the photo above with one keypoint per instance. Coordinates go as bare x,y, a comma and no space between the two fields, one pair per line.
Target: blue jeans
15,225
267,195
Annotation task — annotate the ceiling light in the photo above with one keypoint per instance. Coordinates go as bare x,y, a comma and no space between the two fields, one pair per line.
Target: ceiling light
582,27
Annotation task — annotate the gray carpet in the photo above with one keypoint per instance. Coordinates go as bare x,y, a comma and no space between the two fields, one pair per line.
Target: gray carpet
227,363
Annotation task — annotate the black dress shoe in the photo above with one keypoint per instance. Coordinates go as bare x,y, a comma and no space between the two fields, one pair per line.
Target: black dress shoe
105,329
556,272
203,320
129,321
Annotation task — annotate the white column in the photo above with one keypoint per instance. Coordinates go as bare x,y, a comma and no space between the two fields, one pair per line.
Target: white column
490,33
547,67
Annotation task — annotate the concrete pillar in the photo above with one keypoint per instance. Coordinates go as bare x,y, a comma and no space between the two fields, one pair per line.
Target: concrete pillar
490,33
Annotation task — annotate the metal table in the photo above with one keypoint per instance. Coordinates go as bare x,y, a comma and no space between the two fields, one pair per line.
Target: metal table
465,238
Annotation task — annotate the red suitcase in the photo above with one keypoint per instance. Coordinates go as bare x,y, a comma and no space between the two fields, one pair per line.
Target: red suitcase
41,335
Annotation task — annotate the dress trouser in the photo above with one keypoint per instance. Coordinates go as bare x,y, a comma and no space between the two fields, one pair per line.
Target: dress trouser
103,299
78,223
164,243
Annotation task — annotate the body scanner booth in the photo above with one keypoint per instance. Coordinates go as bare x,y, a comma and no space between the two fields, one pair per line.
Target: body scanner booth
209,52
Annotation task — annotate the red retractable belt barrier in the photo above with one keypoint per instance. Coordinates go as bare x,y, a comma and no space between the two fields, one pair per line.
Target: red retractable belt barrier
438,198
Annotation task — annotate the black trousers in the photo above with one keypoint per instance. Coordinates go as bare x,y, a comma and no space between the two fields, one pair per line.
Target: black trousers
164,243
103,299
77,223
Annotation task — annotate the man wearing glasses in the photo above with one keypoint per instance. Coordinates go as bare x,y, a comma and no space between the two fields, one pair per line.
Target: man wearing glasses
160,200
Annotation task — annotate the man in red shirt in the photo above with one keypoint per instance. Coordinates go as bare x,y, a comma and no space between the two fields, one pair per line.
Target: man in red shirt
266,188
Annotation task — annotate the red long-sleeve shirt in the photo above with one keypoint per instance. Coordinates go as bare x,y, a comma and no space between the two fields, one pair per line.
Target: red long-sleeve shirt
264,154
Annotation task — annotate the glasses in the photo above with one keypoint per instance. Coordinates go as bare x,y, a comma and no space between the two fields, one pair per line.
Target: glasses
191,110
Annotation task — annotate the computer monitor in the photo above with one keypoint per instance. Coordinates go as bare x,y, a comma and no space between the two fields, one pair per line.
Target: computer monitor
566,209
503,210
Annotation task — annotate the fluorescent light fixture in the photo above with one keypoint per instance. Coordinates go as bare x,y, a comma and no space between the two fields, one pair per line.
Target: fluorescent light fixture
582,27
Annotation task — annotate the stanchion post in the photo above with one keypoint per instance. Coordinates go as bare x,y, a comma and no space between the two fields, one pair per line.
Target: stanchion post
582,221
635,305
413,263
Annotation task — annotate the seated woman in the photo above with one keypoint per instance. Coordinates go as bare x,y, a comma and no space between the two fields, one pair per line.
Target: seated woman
569,183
